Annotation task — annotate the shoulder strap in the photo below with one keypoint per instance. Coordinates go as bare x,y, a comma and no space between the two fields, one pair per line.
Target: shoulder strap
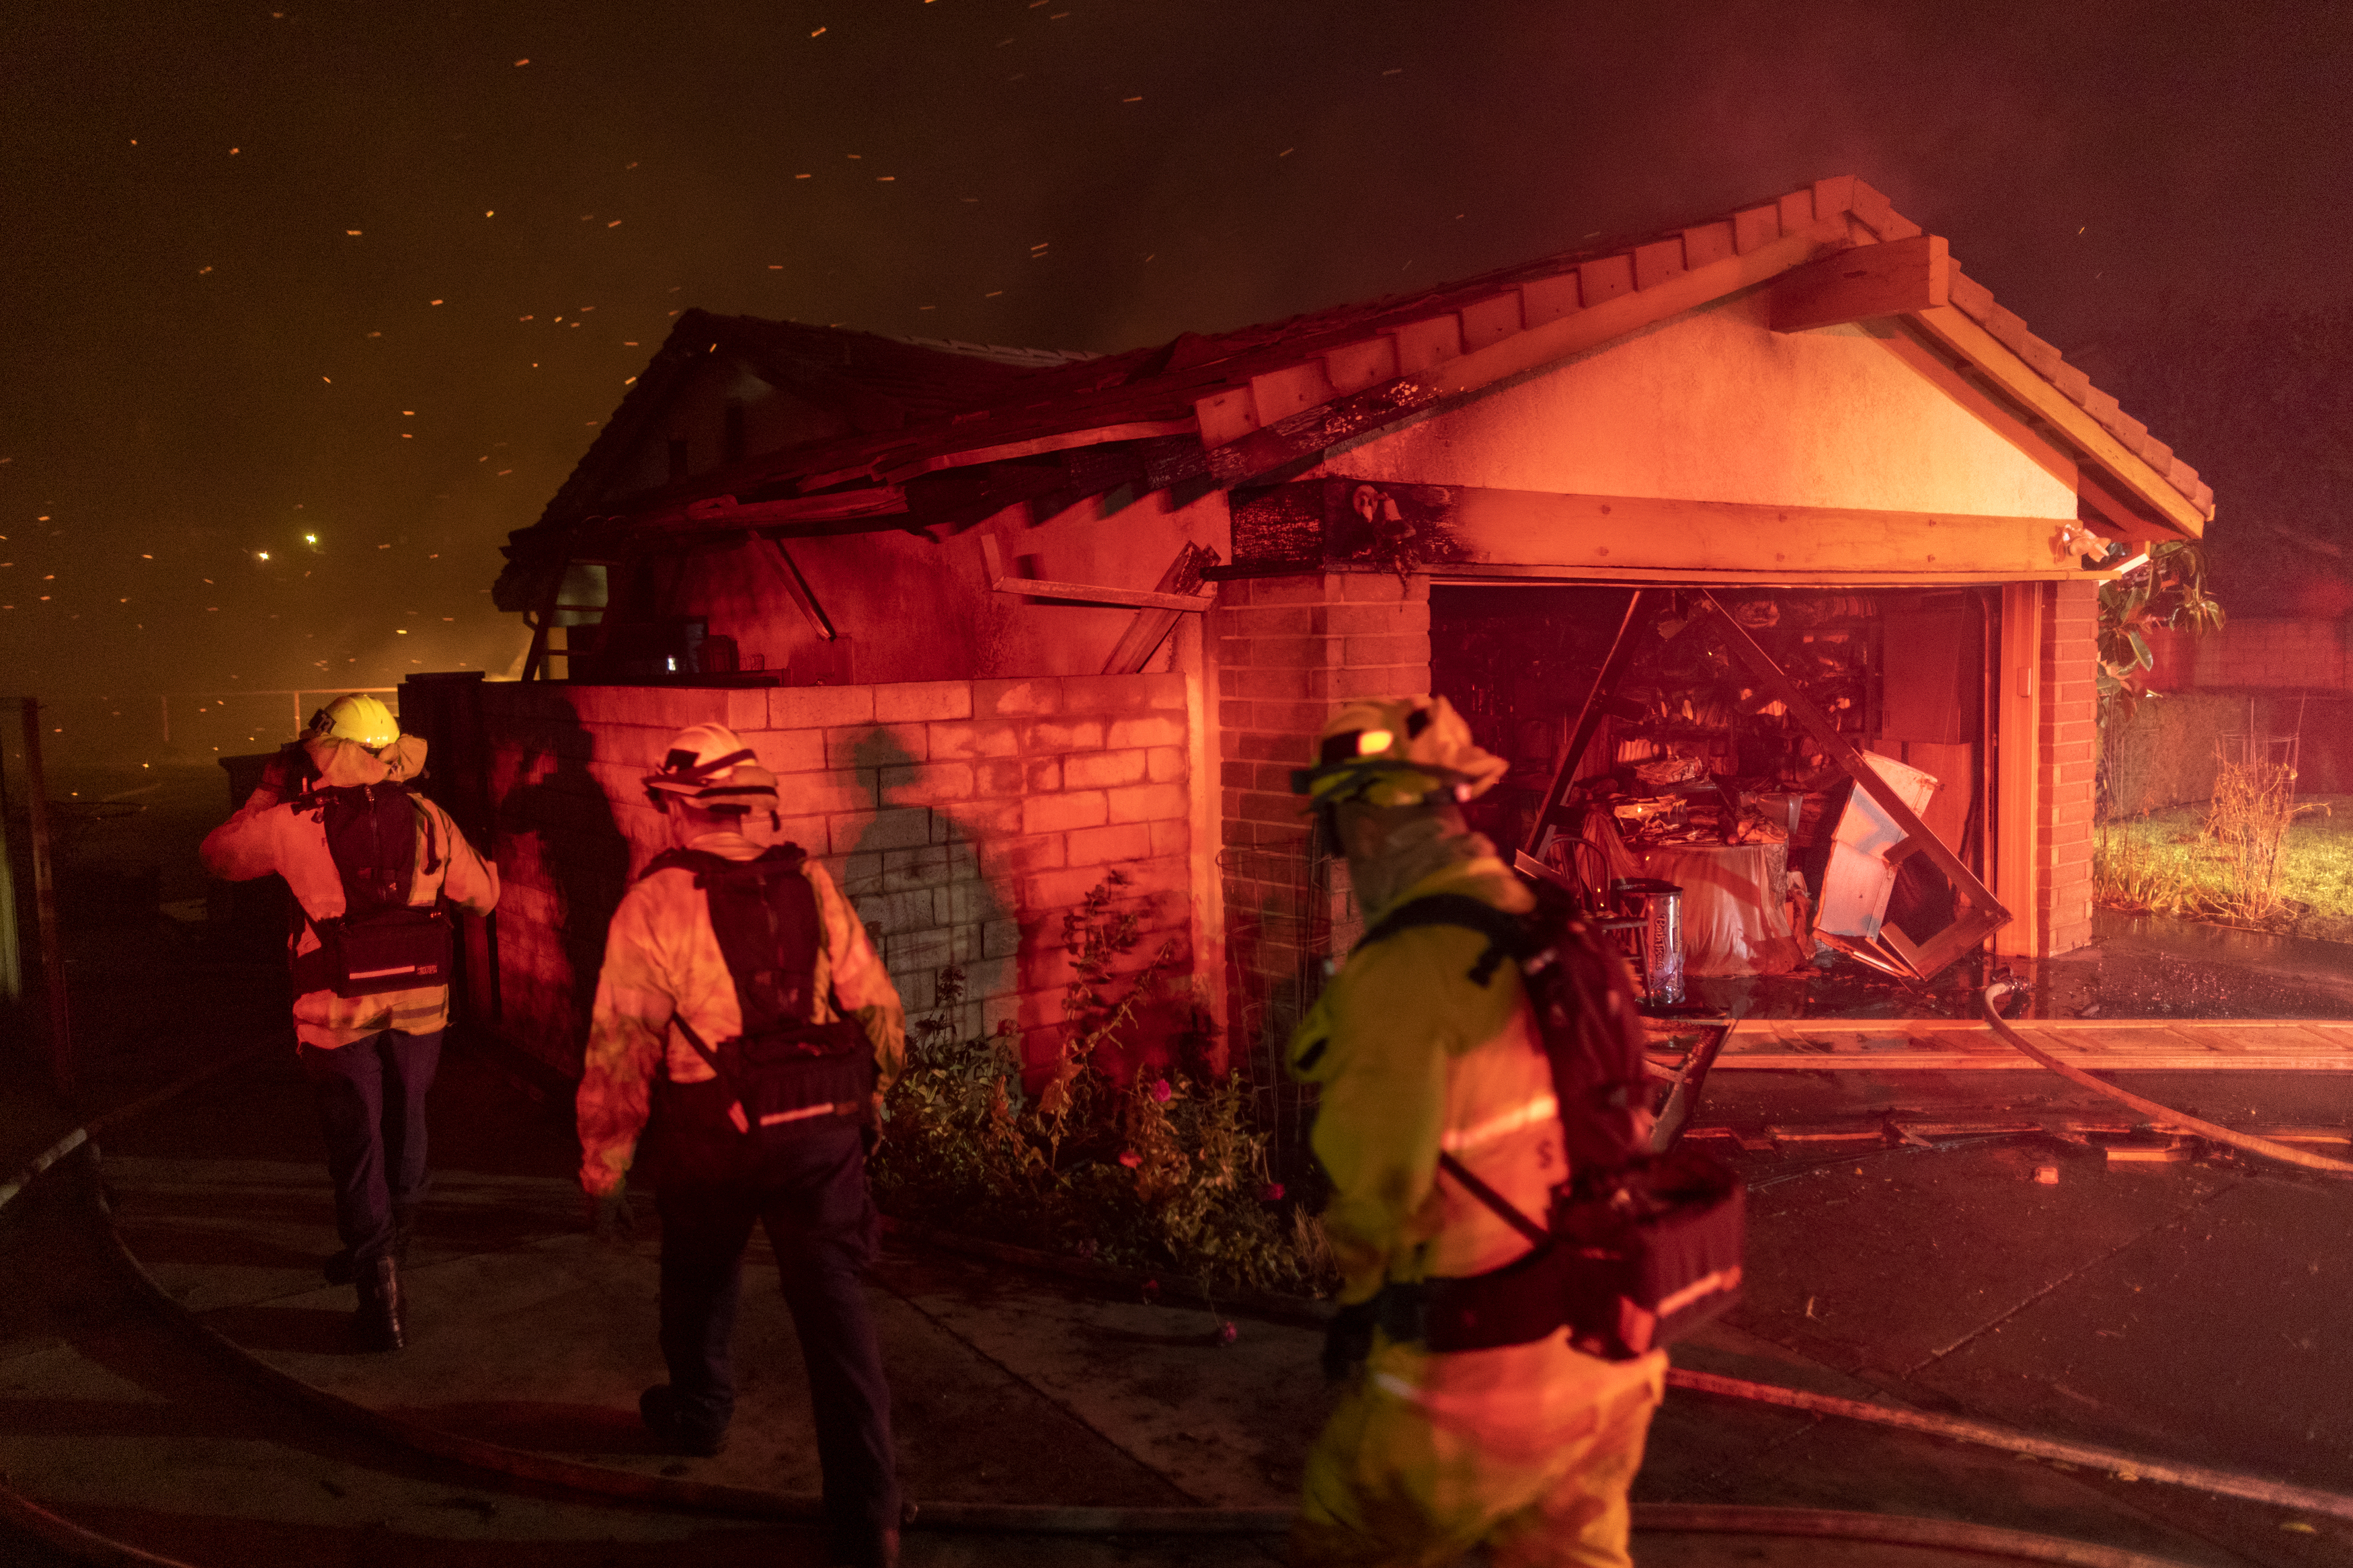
706,864
1507,934
1493,1200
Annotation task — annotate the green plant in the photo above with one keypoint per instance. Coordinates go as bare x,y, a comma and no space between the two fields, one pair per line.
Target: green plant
2167,591
1158,1168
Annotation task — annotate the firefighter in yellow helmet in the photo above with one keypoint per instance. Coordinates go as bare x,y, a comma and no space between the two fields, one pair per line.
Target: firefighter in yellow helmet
742,1011
368,864
1527,1448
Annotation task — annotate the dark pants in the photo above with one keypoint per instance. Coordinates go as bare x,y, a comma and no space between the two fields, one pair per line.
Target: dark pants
811,1193
370,1095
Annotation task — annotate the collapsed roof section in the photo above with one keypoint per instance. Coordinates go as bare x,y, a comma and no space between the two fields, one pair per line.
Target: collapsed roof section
916,435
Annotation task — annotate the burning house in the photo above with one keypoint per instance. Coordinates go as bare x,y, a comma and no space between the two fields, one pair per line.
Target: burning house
1766,548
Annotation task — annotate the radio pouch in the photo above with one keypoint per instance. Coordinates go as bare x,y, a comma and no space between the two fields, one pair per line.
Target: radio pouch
394,950
784,1070
1638,1250
380,942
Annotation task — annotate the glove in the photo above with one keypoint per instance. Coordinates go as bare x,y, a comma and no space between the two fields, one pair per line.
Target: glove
1347,1341
612,1219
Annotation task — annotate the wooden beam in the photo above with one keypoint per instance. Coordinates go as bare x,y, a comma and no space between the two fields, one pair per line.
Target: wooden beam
1870,280
1459,529
1946,326
1085,593
796,588
1149,626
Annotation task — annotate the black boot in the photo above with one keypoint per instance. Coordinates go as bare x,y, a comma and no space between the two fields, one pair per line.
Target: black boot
404,1224
657,1408
378,1320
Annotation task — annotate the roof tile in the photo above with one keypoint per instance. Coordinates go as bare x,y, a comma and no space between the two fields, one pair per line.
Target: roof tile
1362,364
1490,321
1280,394
1658,262
2044,358
1834,196
1970,297
1545,300
1225,415
1431,340
1756,226
1606,279
2073,384
1706,245
1797,211
2009,329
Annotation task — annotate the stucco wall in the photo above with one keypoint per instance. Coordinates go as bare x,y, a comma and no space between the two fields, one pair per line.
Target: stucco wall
963,818
1715,407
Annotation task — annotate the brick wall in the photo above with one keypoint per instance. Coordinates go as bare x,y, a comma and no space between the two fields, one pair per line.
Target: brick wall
2066,747
1288,650
2246,653
963,818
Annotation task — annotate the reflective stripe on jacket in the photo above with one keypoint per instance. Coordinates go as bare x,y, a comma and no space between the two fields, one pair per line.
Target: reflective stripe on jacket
662,961
1411,1055
290,839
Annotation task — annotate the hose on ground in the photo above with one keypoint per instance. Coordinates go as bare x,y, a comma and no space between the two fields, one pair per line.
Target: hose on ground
87,1129
2125,1467
1014,1518
1992,996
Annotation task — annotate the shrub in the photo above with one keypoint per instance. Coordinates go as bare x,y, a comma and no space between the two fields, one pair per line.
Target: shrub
1165,1171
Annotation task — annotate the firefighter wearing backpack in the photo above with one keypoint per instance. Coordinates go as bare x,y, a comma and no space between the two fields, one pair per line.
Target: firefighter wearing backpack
744,1011
367,863
1528,1449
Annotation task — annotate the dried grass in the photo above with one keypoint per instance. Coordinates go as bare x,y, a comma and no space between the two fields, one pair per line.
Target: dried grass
2247,820
2236,860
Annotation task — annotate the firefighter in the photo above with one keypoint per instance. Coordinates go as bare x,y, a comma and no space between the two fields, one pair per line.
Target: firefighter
333,816
676,986
1527,1448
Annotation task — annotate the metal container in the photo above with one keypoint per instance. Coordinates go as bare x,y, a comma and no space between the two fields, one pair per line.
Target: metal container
1660,907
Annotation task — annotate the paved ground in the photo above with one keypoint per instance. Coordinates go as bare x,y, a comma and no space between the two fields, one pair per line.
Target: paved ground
2173,1310
2191,1310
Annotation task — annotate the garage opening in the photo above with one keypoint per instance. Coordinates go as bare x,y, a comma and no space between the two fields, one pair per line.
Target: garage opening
1725,733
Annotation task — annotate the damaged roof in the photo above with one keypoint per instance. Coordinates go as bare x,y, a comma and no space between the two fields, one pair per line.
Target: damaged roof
938,432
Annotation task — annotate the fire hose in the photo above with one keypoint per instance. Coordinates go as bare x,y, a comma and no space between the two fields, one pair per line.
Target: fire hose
1015,1517
1994,995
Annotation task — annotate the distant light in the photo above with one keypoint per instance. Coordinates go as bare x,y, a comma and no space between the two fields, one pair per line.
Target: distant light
264,555
310,539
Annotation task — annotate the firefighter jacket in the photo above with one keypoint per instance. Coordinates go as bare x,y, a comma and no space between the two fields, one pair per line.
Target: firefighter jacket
662,961
282,828
1411,1057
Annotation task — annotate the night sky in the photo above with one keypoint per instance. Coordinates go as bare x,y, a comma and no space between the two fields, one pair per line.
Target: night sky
372,273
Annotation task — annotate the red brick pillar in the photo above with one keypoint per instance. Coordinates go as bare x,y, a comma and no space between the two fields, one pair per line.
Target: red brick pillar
1290,649
2066,758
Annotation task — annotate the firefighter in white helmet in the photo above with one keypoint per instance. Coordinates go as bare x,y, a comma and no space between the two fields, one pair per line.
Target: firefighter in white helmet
368,863
1526,1448
743,1010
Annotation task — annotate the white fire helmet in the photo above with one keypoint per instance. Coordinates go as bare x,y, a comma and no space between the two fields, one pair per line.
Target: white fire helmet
709,767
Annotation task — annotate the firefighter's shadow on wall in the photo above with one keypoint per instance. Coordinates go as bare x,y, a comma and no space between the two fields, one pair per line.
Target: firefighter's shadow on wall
918,876
564,865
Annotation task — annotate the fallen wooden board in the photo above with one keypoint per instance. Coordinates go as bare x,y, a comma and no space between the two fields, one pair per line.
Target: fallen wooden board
1954,1044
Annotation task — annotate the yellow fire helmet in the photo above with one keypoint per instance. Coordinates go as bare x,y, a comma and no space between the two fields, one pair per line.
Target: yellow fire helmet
358,718
709,767
1397,751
